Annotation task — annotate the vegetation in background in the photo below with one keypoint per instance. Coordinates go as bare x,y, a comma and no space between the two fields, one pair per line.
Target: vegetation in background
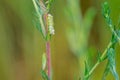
78,32
78,35
45,26
109,52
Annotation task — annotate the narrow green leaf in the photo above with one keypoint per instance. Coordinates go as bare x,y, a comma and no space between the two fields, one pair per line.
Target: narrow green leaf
105,9
118,35
44,75
99,57
86,68
49,4
40,22
115,37
39,8
86,71
37,25
106,14
112,64
107,70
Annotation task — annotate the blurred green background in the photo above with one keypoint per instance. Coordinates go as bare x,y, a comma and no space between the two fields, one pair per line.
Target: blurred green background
22,45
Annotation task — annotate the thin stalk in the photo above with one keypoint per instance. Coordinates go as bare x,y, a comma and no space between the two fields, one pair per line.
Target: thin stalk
46,22
99,61
48,59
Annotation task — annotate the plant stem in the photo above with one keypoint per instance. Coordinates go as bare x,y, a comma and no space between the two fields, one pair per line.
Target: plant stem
99,61
48,59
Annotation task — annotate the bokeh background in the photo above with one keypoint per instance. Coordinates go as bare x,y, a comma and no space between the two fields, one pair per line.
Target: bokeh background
22,45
